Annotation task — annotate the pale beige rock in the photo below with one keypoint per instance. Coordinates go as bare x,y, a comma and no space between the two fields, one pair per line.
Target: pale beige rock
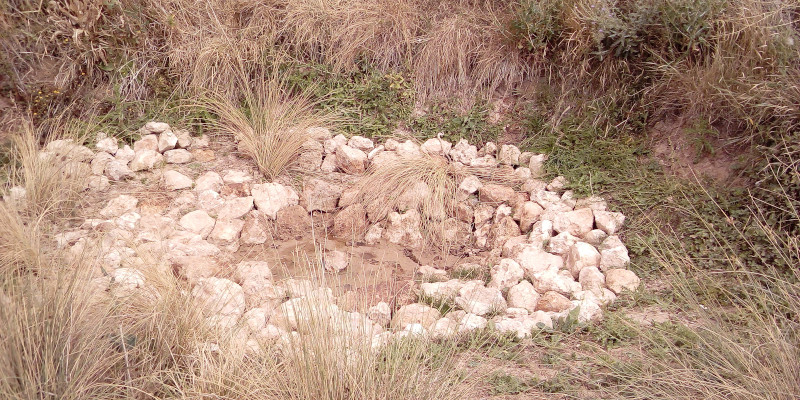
435,146
269,198
145,160
580,256
226,231
415,314
108,145
595,237
591,278
117,170
613,254
523,295
350,160
553,302
477,299
184,138
219,297
361,143
174,180
208,181
506,274
608,221
404,229
463,152
154,128
536,165
618,280
380,313
167,140
254,230
441,291
508,155
147,142
99,162
577,223
209,201
235,207
493,193
336,261
320,195
125,154
561,243
178,156
119,205
192,268
527,215
198,222
350,223
373,234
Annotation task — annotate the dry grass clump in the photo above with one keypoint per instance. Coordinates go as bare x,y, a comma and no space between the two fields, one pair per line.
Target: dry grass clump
744,342
268,121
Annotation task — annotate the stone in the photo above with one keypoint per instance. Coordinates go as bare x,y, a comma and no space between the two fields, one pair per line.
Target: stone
408,149
350,160
219,297
613,254
483,213
335,261
619,280
509,155
522,173
488,149
254,230
506,274
127,279
470,185
252,276
525,157
465,213
471,322
536,165
174,180
108,145
435,146
117,170
380,313
292,222
351,223
310,157
98,183
145,160
609,222
147,142
581,255
319,133
523,295
226,231
235,207
528,213
320,195
184,138
524,326
557,184
235,176
154,128
125,154
178,156
501,231
192,268
595,237
208,181
480,300
209,201
99,162
404,229
415,314
412,196
441,291
553,302
561,243
269,198
463,152
591,278
577,223
118,206
444,328
557,281
493,193
328,163
588,310
373,235
198,222
167,141
595,203
484,162
330,145
361,143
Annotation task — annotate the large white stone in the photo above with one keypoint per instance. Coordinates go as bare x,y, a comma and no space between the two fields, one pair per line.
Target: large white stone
174,180
415,314
577,223
506,274
235,207
219,297
436,146
208,181
178,156
608,221
198,222
270,198
480,300
582,255
508,155
613,253
618,280
145,160
167,141
523,295
351,160
119,205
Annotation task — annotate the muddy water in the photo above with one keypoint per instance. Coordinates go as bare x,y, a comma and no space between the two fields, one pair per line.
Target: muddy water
372,269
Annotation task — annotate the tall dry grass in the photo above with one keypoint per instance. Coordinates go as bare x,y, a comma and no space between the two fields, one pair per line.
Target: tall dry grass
267,120
742,335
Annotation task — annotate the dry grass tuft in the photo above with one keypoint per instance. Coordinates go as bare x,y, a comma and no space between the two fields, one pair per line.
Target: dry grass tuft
268,122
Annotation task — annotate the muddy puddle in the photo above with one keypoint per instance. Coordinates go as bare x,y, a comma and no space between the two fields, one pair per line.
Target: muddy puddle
377,271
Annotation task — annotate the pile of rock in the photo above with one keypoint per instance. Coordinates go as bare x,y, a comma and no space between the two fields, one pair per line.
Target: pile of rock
545,252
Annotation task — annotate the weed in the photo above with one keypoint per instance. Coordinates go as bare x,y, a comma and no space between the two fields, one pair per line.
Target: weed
502,383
